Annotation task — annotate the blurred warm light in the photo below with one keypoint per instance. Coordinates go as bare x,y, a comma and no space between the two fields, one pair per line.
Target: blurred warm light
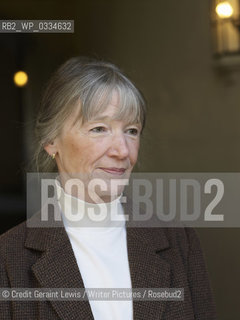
20,78
224,10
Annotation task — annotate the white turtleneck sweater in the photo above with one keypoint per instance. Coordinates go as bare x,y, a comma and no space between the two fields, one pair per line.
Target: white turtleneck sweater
100,252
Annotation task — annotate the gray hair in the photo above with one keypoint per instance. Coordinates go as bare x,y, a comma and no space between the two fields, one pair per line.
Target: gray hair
87,84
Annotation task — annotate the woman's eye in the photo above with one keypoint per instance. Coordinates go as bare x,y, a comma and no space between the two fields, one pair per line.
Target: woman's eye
98,129
133,131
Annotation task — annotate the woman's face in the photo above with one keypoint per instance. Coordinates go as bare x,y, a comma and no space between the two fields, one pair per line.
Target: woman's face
102,148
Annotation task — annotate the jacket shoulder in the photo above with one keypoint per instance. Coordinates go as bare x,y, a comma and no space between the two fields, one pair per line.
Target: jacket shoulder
12,239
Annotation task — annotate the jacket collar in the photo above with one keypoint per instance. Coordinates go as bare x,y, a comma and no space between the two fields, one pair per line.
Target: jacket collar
57,267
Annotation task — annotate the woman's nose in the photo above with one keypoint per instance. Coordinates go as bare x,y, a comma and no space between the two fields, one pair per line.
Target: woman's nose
119,147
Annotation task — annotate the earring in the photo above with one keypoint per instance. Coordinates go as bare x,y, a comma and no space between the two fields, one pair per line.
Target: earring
53,156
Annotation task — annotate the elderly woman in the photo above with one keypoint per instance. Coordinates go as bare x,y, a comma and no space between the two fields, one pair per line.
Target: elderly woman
88,129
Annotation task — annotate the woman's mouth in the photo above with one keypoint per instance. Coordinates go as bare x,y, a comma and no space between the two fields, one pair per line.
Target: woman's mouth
116,171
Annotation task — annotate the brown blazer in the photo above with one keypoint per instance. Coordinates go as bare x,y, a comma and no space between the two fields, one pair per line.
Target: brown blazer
158,257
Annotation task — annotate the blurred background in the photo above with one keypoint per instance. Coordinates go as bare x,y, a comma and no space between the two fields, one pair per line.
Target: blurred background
183,55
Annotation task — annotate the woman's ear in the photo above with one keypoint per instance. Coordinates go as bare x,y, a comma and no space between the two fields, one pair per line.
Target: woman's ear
51,148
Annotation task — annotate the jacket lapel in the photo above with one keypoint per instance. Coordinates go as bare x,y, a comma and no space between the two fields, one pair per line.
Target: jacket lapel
147,268
57,267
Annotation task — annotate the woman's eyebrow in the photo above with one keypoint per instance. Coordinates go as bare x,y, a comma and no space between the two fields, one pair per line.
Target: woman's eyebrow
96,118
107,118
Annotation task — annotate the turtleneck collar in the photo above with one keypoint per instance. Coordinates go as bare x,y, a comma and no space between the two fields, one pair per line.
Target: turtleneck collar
77,213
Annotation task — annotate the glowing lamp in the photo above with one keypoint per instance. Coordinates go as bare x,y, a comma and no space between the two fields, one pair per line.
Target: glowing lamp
20,78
